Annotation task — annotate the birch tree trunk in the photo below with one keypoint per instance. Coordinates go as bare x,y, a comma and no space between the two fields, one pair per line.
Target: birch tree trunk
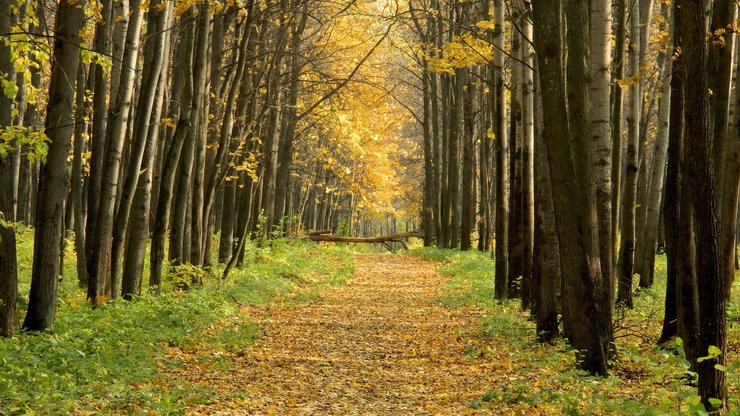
617,105
185,73
527,176
652,220
601,135
102,283
146,133
627,246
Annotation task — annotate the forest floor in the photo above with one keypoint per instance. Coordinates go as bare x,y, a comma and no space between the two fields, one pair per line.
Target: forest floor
420,334
316,329
381,344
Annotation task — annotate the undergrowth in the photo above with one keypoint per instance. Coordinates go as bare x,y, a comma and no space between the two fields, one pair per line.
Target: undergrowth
543,379
108,360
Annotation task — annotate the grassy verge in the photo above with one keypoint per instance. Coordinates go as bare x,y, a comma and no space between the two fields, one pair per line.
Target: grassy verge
108,360
543,379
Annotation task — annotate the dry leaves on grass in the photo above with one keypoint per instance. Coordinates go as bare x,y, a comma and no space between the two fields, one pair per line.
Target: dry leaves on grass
381,344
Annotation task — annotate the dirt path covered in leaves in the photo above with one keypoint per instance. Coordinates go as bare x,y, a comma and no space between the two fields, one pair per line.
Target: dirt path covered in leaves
380,345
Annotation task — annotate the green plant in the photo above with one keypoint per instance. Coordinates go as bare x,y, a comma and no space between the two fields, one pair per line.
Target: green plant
111,359
183,276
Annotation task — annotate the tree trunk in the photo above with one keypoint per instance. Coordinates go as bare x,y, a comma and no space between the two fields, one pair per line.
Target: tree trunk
729,177
80,131
453,167
515,145
184,123
652,220
699,180
102,284
467,219
8,258
136,238
626,262
600,17
53,180
498,114
679,251
429,179
154,54
617,104
102,44
583,308
546,271
527,176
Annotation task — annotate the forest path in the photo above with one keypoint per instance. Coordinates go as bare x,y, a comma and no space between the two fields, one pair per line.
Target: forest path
379,345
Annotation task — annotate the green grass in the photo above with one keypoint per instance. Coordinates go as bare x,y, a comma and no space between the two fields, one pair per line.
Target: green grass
108,360
645,379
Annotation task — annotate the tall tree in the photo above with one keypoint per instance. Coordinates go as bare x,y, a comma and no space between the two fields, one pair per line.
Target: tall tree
655,194
600,18
585,312
8,259
53,180
699,179
528,158
103,283
498,117
626,262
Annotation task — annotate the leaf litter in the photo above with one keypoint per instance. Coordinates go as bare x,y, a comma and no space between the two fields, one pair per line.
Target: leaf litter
380,345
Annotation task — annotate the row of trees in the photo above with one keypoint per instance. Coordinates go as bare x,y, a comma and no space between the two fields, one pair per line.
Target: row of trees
579,154
569,138
127,123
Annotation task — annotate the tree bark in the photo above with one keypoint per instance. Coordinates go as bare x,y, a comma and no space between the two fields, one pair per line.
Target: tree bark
467,220
528,134
498,114
699,180
8,258
53,180
102,284
617,104
546,272
184,123
626,262
154,53
80,131
600,17
584,310
652,220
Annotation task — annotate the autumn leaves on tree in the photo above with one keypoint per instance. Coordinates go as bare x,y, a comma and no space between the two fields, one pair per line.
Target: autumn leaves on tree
573,140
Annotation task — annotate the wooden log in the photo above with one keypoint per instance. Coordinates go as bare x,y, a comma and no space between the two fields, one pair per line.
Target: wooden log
385,239
319,232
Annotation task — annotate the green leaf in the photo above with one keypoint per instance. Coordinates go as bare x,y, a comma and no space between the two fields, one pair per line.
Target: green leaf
715,402
713,352
679,342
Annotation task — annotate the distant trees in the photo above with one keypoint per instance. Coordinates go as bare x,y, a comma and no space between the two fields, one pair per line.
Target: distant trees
574,140
263,125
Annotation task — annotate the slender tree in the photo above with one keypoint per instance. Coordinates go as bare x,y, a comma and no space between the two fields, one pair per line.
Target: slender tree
8,259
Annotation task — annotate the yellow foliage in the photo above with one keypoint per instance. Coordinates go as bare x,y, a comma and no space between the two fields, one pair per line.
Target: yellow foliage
464,51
